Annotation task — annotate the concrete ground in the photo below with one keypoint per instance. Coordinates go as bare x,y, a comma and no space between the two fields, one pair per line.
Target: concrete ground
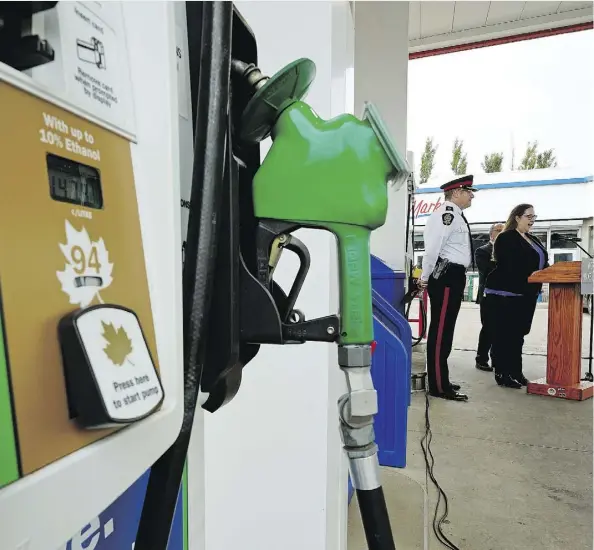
516,468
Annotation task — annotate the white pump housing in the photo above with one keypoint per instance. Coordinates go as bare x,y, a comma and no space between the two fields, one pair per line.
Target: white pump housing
115,66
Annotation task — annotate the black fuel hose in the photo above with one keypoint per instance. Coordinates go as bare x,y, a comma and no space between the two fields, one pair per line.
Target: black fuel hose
376,522
212,111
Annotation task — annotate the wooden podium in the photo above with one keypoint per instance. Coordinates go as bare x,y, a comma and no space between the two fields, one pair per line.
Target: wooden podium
564,342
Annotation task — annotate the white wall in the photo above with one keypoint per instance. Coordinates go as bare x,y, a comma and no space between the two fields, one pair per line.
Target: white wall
269,452
381,76
342,101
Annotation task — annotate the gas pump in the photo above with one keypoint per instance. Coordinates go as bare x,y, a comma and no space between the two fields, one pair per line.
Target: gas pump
413,271
89,364
88,382
330,175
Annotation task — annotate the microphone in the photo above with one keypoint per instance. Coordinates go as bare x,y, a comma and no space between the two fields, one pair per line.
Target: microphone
575,240
560,237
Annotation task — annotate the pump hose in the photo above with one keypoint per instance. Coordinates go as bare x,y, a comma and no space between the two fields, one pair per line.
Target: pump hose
208,169
375,518
416,341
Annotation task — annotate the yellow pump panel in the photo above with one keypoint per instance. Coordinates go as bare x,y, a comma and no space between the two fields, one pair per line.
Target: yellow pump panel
59,253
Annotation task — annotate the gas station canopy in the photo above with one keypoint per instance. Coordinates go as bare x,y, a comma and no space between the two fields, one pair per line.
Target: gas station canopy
444,27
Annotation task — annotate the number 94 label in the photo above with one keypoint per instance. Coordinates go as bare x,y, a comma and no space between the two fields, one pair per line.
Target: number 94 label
87,270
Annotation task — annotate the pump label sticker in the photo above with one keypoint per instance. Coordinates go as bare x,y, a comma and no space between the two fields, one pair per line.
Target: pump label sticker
87,270
121,362
95,58
183,76
61,136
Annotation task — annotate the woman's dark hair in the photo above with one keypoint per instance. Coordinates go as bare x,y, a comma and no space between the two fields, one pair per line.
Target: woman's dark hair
517,211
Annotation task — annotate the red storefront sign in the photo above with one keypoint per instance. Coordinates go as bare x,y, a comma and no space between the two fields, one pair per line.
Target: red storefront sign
424,208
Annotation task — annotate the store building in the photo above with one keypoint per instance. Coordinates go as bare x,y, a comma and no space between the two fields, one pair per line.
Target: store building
563,200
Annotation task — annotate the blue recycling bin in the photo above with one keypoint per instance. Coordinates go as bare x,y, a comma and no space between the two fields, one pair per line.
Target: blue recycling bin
388,283
391,371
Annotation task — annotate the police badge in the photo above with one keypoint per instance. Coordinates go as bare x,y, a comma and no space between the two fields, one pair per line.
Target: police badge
447,218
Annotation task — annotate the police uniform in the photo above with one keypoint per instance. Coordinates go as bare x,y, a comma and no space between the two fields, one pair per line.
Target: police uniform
448,252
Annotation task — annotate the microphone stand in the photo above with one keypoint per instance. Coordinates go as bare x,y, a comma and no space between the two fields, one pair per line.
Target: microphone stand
581,248
588,377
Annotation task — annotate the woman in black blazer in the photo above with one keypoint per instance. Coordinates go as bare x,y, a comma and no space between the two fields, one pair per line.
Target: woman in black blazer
512,299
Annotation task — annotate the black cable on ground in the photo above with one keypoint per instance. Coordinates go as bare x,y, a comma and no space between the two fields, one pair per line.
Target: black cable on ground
429,464
529,353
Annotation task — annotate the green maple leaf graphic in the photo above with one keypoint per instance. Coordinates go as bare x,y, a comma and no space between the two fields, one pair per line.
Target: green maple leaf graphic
119,346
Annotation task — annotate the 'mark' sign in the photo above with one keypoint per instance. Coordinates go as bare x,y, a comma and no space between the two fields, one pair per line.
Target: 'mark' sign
423,207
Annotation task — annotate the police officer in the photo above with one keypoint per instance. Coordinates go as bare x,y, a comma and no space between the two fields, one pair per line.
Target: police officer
448,252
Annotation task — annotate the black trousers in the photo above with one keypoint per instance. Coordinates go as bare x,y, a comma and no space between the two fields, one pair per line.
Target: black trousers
445,295
484,341
509,320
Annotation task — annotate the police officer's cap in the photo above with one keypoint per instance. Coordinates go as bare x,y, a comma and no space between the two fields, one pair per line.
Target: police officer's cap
465,182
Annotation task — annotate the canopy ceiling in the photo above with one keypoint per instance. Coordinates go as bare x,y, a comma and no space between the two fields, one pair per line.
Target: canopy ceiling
439,27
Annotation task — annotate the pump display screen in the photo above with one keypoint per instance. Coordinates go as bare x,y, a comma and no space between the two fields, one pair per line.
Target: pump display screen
73,182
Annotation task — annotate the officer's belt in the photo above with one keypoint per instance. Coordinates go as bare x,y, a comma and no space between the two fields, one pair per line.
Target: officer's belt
451,264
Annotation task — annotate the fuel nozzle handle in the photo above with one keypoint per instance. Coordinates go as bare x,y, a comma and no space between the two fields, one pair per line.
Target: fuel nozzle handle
356,313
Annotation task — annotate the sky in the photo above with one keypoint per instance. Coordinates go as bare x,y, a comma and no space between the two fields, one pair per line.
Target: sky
540,89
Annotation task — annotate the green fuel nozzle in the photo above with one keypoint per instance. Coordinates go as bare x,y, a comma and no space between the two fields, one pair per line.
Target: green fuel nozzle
331,175
326,174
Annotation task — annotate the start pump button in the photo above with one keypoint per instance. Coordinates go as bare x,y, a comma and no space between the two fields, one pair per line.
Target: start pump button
110,375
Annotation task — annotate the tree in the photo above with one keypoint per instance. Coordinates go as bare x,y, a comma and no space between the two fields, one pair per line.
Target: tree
427,160
546,159
459,163
493,163
529,158
533,159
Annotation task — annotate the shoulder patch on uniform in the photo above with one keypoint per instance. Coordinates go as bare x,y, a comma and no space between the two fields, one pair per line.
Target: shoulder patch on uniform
450,208
447,218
